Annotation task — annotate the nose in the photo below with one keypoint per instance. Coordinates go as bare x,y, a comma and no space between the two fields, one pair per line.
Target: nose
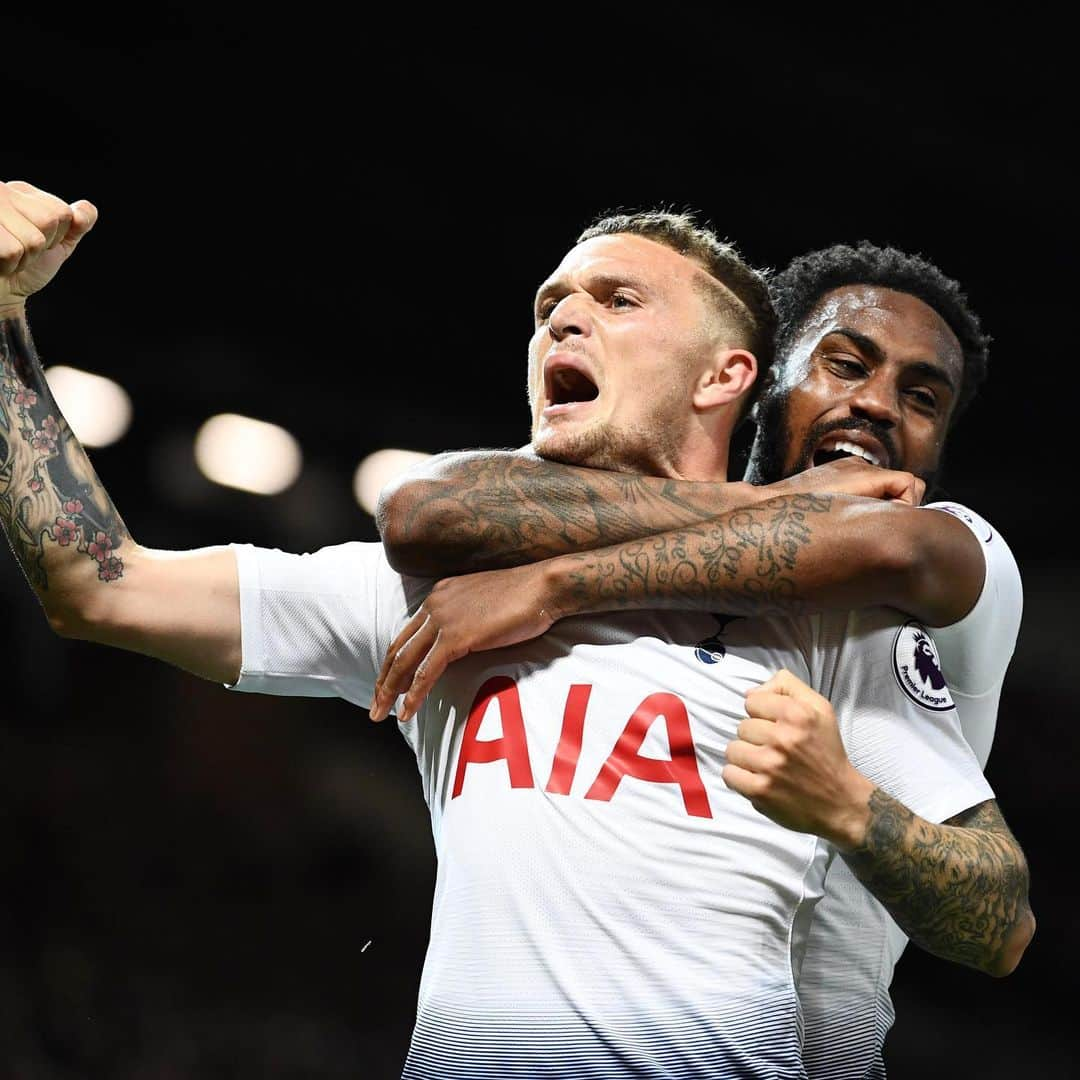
570,317
875,398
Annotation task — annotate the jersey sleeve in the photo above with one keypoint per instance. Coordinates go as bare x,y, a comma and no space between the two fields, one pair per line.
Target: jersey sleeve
899,731
315,625
922,761
975,652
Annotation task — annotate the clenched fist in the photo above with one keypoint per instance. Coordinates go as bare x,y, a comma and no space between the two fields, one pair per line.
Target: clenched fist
38,232
790,762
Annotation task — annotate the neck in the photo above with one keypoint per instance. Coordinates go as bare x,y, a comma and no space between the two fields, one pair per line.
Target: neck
704,455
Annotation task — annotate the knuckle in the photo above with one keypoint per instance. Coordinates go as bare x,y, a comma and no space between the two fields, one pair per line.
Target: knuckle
776,761
36,242
801,719
59,220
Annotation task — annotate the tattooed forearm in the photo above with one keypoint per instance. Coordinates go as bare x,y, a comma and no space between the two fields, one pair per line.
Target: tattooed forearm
53,508
959,889
749,562
493,509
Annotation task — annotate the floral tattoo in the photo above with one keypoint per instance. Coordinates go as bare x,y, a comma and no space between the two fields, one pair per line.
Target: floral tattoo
50,496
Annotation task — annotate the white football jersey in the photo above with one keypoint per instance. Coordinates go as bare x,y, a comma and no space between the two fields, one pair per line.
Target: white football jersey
604,905
954,672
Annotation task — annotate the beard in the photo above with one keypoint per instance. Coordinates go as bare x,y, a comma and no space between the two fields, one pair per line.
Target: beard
774,438
769,450
632,450
650,447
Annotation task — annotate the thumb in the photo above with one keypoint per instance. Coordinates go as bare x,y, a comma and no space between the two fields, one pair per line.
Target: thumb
779,683
84,216
788,685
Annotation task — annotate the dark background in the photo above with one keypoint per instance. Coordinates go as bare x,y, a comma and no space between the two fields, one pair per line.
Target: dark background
340,229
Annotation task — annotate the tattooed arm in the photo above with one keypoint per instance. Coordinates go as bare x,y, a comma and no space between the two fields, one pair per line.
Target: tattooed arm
793,554
92,579
486,509
489,509
959,889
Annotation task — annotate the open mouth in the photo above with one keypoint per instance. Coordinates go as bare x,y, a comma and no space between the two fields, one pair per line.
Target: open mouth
570,385
835,449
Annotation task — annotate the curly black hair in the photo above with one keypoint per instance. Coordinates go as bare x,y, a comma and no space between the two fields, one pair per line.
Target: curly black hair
798,288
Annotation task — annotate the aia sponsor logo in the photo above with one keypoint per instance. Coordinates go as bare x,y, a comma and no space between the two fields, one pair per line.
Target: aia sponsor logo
624,760
918,669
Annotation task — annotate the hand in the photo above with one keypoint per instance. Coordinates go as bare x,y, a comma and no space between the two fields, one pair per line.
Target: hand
789,761
853,476
472,613
38,232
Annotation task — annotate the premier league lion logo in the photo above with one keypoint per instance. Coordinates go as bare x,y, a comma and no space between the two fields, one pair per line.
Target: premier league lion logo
917,668
926,661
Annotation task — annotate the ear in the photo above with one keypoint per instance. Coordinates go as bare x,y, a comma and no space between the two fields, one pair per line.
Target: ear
726,380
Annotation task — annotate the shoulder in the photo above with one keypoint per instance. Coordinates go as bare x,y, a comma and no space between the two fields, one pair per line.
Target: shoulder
334,569
1002,572
982,529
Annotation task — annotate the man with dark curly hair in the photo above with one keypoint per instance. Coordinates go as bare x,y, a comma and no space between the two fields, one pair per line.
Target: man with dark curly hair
819,401
806,294
877,354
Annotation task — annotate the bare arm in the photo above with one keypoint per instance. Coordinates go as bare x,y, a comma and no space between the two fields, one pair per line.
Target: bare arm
793,554
656,542
92,579
488,509
78,556
960,889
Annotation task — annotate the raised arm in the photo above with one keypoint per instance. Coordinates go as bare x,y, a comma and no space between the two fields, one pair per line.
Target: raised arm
92,579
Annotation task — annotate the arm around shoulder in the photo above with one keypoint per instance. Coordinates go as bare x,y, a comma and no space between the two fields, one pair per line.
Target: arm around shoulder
932,565
460,513
432,517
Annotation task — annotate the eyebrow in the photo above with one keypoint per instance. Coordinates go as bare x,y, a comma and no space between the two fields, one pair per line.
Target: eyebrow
603,282
870,346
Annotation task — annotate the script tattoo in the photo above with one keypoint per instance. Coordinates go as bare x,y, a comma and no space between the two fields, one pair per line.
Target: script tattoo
955,891
492,510
744,560
50,496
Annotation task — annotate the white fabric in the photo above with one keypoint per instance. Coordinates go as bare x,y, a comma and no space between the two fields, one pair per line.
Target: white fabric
854,944
587,923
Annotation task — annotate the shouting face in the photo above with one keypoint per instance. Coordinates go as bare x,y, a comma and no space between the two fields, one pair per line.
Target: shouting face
874,373
623,332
